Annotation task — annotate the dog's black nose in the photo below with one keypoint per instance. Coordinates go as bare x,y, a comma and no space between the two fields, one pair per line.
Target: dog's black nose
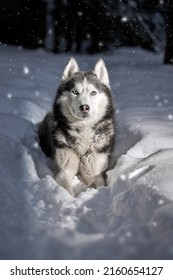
84,108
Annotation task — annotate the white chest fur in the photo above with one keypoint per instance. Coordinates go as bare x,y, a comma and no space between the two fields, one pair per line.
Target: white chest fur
85,139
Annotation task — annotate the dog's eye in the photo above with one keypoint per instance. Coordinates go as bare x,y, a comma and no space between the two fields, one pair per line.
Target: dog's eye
93,93
75,92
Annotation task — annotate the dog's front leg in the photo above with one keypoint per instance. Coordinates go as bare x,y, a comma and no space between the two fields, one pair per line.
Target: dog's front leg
92,168
66,165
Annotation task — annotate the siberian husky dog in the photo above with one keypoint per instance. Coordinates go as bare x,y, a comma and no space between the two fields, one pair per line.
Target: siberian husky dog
79,132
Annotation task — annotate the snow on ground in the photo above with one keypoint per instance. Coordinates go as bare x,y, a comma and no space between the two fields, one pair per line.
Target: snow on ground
131,219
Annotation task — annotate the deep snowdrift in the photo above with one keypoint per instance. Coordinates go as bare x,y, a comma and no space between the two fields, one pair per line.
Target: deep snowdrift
133,218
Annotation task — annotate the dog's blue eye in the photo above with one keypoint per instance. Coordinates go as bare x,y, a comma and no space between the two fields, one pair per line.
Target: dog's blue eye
75,92
93,93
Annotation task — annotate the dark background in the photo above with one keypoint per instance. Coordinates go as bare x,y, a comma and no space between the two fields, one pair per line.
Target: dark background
88,26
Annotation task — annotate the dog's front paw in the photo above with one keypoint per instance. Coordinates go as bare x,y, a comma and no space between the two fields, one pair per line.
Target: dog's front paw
65,184
79,187
71,191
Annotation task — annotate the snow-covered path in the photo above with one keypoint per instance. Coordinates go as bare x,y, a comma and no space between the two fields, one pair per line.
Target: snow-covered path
133,218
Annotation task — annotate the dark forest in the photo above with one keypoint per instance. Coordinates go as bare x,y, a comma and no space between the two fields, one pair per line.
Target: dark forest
88,26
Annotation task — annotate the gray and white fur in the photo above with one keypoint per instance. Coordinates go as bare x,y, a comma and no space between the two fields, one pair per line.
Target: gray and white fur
79,132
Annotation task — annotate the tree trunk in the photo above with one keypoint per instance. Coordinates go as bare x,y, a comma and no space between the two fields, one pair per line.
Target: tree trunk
34,23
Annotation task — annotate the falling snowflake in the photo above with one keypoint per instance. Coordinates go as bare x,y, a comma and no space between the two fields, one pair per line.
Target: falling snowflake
154,224
88,35
40,41
123,177
36,145
117,111
25,70
9,95
161,202
37,93
124,19
80,13
129,234
156,97
170,117
100,44
121,240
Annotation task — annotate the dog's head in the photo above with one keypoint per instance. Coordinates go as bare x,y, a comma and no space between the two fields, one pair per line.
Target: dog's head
84,95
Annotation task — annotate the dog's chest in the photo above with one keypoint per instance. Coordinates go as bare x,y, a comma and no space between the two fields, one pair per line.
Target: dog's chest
85,140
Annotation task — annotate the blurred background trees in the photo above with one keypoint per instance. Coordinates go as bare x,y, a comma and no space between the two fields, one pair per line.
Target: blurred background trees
23,22
88,26
169,32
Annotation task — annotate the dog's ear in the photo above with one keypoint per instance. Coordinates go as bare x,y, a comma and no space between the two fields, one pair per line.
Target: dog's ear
71,68
101,72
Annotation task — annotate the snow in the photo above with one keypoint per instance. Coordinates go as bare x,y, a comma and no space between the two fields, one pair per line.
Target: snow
130,219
